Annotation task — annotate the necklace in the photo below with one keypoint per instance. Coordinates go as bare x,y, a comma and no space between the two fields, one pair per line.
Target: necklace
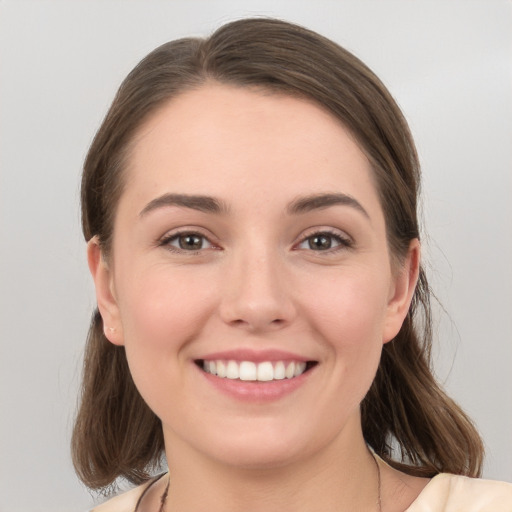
379,500
163,498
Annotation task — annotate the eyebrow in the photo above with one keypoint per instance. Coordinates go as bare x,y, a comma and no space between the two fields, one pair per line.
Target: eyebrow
205,204
320,201
209,204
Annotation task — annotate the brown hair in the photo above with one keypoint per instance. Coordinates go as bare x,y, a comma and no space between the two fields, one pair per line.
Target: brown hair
406,417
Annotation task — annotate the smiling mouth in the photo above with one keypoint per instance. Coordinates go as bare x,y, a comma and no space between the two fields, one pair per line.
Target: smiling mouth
250,371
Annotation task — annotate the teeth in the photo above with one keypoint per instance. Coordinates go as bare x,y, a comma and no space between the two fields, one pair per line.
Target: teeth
232,371
300,367
221,369
265,372
279,371
250,371
247,370
290,371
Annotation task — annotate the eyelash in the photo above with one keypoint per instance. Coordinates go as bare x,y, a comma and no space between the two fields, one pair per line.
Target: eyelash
166,242
344,242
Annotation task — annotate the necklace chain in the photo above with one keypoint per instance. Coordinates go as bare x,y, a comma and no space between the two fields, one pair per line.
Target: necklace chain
163,498
379,497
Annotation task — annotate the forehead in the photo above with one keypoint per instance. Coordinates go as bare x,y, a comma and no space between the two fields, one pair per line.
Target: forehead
220,140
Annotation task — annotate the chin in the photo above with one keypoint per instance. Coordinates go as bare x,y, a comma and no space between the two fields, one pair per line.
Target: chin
262,457
265,445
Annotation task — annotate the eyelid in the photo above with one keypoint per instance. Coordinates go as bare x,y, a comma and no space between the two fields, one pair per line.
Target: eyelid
345,240
164,241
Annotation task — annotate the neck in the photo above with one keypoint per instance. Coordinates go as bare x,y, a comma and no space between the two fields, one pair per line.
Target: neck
340,478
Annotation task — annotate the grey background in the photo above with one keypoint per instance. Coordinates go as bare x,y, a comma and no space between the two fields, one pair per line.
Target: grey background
447,63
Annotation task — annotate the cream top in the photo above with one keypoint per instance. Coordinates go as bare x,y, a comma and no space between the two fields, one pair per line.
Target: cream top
453,493
444,493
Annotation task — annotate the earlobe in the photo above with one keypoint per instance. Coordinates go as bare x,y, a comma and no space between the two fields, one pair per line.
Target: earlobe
105,295
402,291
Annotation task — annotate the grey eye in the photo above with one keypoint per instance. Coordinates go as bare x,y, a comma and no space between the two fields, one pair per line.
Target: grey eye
189,242
320,242
324,241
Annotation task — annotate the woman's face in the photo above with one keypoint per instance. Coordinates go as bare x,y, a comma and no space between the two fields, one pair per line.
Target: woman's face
250,278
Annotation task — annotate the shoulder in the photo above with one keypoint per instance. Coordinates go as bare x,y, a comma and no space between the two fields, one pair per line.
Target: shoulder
125,502
453,493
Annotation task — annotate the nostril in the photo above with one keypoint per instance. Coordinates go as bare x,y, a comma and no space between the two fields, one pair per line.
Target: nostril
257,324
240,323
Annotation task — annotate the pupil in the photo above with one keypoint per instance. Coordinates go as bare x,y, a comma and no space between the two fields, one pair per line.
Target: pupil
190,242
321,242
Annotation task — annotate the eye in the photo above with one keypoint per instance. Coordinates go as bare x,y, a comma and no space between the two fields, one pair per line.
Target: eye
325,241
186,241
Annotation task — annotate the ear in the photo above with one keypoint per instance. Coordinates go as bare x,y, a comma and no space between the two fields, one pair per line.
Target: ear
402,291
105,294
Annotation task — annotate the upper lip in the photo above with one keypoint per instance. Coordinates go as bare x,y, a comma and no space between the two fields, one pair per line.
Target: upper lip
256,356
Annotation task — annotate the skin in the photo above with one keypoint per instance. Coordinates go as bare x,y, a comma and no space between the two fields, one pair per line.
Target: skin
258,282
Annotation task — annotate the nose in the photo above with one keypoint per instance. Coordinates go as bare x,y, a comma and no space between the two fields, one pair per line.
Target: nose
256,294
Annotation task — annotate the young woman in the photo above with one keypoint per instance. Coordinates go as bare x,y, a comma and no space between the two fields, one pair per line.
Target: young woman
263,320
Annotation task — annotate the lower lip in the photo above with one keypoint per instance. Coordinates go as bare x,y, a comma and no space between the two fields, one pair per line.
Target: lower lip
255,391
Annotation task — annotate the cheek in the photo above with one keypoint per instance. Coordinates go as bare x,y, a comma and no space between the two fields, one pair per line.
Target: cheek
162,307
349,308
346,313
349,316
160,314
